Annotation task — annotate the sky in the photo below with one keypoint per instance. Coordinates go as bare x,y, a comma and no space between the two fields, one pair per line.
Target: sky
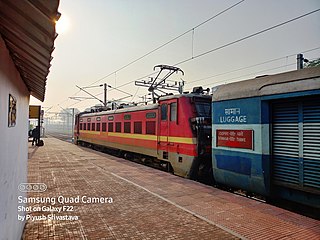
103,36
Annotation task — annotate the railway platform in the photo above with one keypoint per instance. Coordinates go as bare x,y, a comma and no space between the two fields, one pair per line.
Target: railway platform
112,198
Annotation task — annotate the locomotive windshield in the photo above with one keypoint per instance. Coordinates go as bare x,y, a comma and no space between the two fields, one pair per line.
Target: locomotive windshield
203,109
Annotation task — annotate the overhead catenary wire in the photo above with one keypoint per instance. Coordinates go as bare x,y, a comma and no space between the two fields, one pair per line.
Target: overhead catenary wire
247,37
225,81
236,41
117,88
251,66
214,49
235,70
223,73
168,42
159,47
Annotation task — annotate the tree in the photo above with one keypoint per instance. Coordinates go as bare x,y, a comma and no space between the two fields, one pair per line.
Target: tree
314,63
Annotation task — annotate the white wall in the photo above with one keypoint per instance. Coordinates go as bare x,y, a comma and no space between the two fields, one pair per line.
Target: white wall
13,145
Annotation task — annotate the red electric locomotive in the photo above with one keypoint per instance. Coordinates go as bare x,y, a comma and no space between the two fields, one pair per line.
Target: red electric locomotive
174,133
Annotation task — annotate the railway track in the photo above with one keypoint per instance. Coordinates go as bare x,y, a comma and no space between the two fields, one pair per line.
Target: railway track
62,136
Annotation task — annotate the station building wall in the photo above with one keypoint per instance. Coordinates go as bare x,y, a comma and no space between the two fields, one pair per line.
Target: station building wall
13,145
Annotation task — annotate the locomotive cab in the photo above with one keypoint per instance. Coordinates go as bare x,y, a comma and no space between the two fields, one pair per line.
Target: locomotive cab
185,133
202,130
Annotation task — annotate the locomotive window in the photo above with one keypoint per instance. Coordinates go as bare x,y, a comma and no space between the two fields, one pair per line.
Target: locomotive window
151,115
98,127
151,127
127,117
93,127
80,126
110,127
104,127
118,127
173,112
127,127
203,109
164,111
84,126
137,127
88,126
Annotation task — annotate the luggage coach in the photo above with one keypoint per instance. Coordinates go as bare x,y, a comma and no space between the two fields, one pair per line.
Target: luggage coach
266,136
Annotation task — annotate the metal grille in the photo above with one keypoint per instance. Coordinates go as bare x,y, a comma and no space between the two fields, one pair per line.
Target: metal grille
311,144
296,144
285,143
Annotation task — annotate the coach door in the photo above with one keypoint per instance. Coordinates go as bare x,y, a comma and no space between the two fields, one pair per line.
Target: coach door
164,131
296,144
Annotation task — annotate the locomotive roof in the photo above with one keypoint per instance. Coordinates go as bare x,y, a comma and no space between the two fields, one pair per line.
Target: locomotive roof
122,110
190,95
293,81
144,107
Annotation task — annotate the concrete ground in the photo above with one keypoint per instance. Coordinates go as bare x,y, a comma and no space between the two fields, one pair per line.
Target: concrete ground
146,203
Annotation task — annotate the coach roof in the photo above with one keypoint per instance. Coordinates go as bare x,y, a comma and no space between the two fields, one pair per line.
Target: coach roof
294,81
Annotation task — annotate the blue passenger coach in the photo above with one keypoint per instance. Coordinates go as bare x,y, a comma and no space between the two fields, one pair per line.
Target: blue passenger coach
266,136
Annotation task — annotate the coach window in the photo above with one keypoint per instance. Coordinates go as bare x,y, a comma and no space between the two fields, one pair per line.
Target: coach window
127,127
110,127
80,126
137,127
104,127
93,127
88,126
84,126
98,127
151,127
118,127
173,112
164,111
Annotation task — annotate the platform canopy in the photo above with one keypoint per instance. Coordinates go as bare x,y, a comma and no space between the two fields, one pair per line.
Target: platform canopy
28,29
